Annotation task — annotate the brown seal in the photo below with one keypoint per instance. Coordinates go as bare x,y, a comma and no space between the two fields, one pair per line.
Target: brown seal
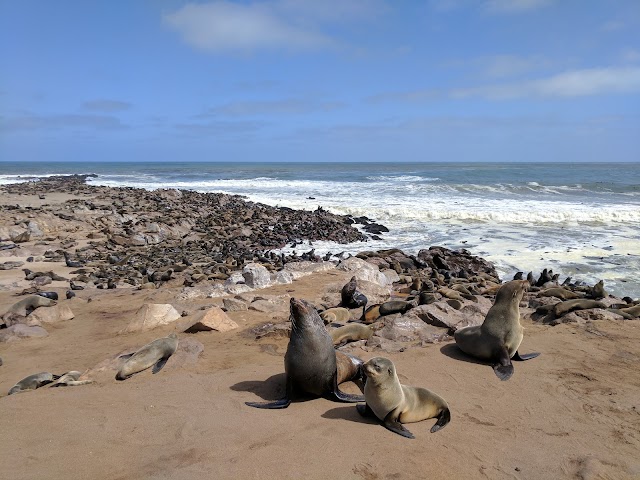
336,314
395,404
559,292
154,354
310,362
351,297
567,306
501,333
351,333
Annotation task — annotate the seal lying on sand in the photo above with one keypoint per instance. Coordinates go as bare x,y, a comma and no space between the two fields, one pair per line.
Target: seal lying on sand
395,404
310,361
501,333
32,382
351,333
70,379
153,354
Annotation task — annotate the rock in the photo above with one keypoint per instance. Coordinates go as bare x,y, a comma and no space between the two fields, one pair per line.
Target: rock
19,235
304,268
269,303
237,289
53,314
364,270
10,265
152,315
598,314
234,278
187,353
407,328
256,276
277,330
211,319
443,315
233,304
282,277
392,275
19,330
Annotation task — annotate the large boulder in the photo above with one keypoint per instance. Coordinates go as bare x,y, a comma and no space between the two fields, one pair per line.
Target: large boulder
56,313
152,315
364,270
305,267
441,314
256,276
210,319
234,304
19,330
405,328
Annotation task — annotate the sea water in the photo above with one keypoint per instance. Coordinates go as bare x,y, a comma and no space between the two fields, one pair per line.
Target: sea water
579,219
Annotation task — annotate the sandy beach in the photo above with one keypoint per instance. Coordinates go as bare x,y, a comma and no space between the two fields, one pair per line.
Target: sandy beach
573,412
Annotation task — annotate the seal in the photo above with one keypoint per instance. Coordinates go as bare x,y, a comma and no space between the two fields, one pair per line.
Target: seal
310,362
351,297
371,314
351,333
395,306
559,292
153,354
27,305
336,314
349,369
567,306
32,382
70,379
500,335
394,404
49,295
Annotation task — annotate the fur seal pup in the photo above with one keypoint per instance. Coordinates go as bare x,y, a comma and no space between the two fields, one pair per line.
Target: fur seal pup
70,379
32,382
335,314
351,333
310,362
153,354
394,404
371,314
501,333
351,297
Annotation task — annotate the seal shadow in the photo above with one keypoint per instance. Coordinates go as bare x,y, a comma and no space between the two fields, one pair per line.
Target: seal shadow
452,350
273,388
350,414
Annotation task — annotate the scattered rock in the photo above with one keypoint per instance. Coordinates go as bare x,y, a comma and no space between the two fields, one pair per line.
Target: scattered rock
152,315
211,319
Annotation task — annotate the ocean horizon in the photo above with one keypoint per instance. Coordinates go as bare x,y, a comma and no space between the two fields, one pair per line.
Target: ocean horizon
579,219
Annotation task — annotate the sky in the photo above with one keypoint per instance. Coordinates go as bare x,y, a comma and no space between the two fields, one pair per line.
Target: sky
330,80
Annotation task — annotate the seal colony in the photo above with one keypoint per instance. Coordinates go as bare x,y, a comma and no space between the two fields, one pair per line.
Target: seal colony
435,297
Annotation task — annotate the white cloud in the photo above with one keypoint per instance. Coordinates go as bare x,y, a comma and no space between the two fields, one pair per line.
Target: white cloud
576,83
514,6
277,24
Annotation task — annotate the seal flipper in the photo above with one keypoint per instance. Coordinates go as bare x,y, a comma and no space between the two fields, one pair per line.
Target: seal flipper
395,426
282,403
159,364
365,410
524,356
504,369
443,419
344,397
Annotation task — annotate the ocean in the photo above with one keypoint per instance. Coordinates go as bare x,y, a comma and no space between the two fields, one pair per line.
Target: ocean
579,219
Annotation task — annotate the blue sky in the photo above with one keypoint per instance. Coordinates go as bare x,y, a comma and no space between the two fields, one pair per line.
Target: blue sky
307,80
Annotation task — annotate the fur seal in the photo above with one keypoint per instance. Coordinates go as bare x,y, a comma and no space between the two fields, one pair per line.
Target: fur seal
27,305
351,333
349,369
565,307
70,379
335,314
49,295
153,354
371,314
351,297
597,291
32,382
395,306
394,404
559,292
501,333
310,362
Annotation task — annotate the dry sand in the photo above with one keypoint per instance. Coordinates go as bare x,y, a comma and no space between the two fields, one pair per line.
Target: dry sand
573,412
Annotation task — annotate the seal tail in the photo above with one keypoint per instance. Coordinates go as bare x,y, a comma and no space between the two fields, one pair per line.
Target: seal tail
443,419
